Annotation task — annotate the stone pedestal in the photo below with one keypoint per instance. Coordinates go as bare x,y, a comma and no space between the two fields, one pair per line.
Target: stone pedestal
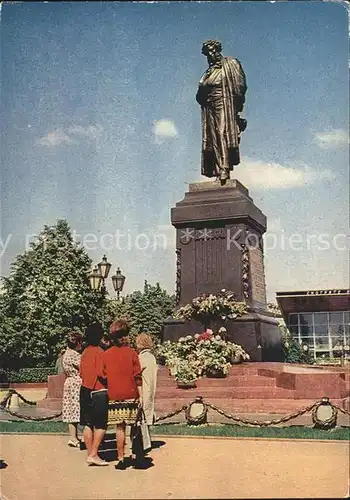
53,399
219,245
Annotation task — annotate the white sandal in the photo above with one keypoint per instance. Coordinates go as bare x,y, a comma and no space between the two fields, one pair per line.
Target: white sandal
96,461
74,444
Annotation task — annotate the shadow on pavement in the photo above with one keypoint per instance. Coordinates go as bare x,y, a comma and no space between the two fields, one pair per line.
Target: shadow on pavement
157,444
145,463
108,448
3,464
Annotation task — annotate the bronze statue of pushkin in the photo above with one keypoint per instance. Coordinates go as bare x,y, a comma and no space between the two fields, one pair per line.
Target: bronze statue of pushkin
221,95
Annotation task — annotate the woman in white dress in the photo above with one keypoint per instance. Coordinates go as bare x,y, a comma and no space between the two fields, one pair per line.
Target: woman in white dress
71,388
144,346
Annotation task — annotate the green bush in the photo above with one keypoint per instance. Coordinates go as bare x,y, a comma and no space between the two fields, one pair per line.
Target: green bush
30,375
293,351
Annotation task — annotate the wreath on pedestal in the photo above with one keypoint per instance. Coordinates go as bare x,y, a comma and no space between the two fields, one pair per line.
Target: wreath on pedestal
207,308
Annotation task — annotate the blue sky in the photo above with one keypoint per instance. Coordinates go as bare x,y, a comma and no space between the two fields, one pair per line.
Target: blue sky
101,127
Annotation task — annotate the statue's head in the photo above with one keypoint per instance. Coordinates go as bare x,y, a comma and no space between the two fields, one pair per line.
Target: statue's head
211,47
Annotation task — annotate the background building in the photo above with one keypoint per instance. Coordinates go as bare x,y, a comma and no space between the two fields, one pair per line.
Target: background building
319,318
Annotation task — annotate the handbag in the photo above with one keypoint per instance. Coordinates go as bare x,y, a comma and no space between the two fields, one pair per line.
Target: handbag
146,438
140,436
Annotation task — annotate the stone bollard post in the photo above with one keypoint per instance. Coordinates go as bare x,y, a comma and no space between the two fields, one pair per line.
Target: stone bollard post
14,402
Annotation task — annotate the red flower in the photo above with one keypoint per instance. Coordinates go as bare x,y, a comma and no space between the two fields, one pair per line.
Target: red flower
204,336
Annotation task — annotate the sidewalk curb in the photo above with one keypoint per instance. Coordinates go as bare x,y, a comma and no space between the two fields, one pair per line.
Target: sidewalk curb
175,436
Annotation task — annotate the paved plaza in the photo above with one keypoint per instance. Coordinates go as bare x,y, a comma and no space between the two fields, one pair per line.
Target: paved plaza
43,467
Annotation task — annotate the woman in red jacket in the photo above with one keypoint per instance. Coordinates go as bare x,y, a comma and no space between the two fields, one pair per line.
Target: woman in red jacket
121,367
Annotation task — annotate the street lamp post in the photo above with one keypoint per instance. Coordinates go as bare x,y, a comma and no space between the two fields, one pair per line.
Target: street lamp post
104,268
97,278
118,282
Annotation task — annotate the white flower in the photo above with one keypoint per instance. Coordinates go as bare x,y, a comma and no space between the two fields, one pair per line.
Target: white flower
182,339
196,336
209,331
222,329
217,337
305,347
286,344
346,348
223,289
189,337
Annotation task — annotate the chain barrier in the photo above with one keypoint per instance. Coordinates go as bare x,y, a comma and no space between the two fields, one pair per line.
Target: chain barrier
7,400
31,403
246,421
264,423
172,414
27,417
342,410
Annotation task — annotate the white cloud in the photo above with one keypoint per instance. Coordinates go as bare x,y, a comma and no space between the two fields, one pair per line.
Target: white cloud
70,135
333,139
163,129
56,138
258,174
91,131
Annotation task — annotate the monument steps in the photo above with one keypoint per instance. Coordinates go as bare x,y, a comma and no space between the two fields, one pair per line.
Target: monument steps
232,381
274,406
249,388
237,381
258,387
229,392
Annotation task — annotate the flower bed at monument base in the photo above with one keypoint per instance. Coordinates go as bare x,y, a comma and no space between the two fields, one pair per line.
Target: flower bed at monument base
203,354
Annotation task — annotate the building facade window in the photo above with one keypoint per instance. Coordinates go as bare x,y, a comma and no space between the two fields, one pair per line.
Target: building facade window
321,331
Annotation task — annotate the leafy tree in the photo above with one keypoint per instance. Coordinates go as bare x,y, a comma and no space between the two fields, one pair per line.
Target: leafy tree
145,311
46,295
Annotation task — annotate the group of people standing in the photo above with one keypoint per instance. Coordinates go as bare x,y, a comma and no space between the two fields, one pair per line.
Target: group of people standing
107,385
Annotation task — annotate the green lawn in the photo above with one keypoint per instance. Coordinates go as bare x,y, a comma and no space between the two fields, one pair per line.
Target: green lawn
223,430
227,430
